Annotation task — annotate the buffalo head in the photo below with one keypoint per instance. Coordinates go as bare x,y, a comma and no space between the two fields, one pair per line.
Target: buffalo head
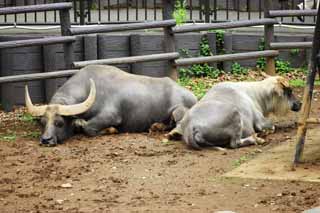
56,119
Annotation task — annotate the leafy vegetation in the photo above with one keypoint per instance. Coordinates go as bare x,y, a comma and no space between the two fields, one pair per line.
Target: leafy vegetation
8,137
28,118
199,70
237,69
180,12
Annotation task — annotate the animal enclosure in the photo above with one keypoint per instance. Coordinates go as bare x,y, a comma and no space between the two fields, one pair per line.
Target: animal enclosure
141,172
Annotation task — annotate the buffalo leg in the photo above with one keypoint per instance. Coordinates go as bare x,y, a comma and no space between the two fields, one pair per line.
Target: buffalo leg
99,125
251,140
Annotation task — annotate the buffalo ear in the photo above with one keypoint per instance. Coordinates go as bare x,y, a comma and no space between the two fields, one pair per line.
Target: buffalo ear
178,113
265,75
283,82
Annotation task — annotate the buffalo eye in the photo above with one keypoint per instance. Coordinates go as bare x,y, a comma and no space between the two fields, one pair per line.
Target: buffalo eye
43,121
59,124
288,92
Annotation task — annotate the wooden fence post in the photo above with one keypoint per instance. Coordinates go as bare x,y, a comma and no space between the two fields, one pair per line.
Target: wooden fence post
169,41
308,92
268,38
65,31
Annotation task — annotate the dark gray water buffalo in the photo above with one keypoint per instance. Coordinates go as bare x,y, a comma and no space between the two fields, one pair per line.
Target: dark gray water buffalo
231,114
99,97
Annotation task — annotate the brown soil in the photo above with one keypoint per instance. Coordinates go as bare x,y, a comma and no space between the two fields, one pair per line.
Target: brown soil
138,172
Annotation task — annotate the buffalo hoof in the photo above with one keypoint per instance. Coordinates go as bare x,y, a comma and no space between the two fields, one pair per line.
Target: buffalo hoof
157,127
175,134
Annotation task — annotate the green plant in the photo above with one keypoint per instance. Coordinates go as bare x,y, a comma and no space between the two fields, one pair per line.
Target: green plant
237,69
220,41
261,62
283,67
205,49
197,86
199,70
301,83
32,135
294,52
26,117
9,137
180,12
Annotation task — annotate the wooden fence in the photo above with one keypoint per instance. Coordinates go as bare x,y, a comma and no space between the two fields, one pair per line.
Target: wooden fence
169,28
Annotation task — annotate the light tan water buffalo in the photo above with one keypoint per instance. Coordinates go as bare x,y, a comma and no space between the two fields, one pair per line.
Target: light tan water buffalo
99,97
231,113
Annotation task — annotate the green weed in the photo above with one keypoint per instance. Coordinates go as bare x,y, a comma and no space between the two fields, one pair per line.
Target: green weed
180,12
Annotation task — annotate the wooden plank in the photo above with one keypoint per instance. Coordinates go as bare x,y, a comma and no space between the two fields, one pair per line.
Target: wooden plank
37,76
90,49
129,60
35,8
35,42
289,13
228,47
223,25
114,46
290,45
226,57
123,27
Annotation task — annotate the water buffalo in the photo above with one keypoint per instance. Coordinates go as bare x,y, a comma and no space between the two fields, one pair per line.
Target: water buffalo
99,97
231,113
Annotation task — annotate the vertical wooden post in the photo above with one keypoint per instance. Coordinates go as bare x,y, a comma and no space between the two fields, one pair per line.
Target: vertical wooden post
169,41
268,38
65,31
307,96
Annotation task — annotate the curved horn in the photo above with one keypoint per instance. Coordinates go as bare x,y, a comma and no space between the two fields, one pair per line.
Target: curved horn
68,110
33,110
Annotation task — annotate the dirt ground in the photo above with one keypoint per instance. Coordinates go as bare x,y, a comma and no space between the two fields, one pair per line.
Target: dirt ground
138,173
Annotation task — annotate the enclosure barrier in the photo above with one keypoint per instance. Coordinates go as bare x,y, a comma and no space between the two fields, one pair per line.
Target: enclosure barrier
169,43
123,27
223,25
37,76
35,8
129,60
65,24
226,57
36,42
290,13
290,45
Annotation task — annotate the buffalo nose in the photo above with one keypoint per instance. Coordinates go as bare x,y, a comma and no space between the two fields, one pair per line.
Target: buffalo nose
45,140
297,106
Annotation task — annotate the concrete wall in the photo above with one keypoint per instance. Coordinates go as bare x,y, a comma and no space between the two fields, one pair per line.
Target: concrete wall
50,58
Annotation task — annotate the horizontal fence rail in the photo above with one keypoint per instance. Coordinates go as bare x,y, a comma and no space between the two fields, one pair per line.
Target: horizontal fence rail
37,76
226,57
35,8
224,25
129,60
290,13
290,45
35,42
123,27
